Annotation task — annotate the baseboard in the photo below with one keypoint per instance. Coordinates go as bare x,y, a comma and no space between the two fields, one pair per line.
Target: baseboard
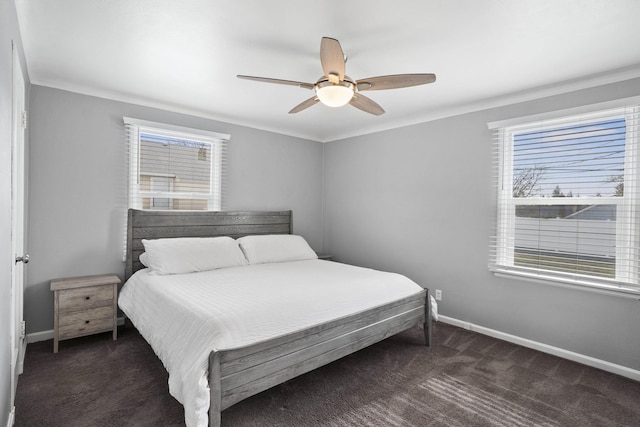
545,348
48,335
12,417
39,336
23,351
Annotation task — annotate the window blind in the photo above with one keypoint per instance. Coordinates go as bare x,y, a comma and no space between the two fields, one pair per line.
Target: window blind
174,168
567,200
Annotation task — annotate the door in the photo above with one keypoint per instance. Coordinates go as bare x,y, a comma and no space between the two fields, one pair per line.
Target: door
17,222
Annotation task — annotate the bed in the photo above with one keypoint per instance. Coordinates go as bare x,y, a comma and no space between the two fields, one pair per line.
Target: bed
238,367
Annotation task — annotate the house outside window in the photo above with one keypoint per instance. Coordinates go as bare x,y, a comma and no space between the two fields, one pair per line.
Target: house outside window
174,168
568,194
155,185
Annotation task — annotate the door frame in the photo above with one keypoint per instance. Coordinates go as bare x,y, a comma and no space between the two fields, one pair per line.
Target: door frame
18,209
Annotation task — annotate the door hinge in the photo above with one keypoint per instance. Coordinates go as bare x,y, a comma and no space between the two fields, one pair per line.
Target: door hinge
24,120
23,329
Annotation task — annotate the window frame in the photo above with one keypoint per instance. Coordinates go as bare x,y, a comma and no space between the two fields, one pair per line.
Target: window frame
217,142
627,276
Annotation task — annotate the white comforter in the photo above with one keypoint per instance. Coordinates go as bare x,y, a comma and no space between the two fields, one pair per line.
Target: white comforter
185,316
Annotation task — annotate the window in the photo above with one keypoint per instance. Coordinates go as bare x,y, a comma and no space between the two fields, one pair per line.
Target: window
174,168
568,194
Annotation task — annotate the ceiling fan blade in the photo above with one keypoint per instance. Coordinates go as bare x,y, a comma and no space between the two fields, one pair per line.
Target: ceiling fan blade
332,58
278,81
304,105
366,104
395,81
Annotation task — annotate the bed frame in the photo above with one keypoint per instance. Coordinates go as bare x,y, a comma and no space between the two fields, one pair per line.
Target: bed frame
239,373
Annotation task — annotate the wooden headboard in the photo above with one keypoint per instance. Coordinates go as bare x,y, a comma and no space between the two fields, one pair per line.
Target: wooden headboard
165,224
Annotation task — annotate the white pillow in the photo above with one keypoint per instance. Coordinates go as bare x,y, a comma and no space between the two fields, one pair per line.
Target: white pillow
191,254
144,259
275,248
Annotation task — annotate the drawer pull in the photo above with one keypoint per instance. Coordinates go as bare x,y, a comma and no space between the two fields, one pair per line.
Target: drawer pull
87,321
87,298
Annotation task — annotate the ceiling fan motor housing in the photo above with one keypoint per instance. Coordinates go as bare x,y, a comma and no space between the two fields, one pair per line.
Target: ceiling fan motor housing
335,94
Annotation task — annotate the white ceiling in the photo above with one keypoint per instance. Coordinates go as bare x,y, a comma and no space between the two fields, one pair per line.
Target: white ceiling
184,55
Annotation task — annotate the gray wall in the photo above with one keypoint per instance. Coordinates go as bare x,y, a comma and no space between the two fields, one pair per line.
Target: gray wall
8,32
418,200
78,185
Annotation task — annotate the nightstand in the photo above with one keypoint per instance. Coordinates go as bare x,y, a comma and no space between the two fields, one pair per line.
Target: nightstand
84,305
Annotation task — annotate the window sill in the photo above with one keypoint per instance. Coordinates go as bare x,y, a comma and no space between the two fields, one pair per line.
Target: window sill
617,290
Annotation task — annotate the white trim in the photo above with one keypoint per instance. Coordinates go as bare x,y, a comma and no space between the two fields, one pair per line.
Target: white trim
12,417
181,129
584,109
214,140
545,348
23,352
626,234
18,200
135,201
39,336
614,289
600,79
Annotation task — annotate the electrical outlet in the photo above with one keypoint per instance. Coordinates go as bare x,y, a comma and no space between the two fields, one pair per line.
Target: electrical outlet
438,295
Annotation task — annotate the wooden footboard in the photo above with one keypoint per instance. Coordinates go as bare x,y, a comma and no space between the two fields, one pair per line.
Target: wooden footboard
239,373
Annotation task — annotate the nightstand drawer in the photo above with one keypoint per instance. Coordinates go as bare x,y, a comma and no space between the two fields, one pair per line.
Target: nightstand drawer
84,305
84,298
86,322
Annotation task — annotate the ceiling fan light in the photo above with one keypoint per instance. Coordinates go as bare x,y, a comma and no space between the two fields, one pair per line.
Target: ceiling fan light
335,95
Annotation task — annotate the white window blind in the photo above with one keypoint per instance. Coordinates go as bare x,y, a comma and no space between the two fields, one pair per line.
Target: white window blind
567,200
174,168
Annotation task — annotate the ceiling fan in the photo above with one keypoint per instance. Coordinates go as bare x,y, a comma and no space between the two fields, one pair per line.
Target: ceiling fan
336,89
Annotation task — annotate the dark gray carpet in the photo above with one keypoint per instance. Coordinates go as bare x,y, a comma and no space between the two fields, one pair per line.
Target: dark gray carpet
464,379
